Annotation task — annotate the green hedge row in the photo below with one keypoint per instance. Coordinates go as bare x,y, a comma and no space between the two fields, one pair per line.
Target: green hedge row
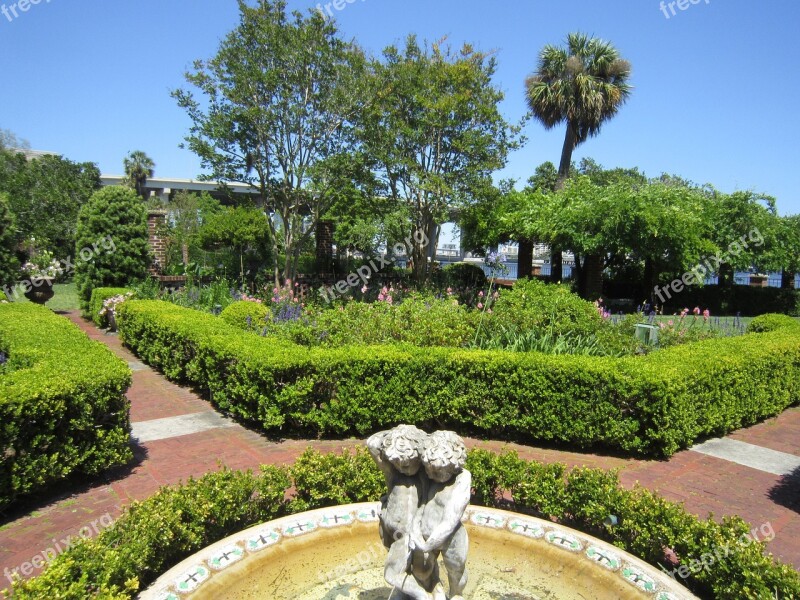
654,405
100,295
62,402
152,536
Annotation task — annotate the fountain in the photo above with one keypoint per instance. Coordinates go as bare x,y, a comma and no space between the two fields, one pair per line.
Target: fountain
430,545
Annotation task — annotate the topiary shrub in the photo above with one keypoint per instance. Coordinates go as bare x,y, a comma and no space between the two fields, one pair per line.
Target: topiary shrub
554,309
8,261
771,322
246,314
111,242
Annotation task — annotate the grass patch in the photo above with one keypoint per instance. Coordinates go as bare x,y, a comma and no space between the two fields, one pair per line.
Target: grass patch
66,298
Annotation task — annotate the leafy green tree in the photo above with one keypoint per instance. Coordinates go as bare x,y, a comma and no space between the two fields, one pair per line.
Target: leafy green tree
187,212
662,228
745,229
242,228
138,169
111,245
41,189
436,134
279,98
583,85
8,261
789,244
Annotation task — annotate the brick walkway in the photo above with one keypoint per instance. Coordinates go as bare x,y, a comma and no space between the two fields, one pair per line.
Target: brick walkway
706,484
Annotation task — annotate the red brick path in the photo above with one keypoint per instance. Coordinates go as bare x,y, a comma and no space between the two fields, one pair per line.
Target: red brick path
705,484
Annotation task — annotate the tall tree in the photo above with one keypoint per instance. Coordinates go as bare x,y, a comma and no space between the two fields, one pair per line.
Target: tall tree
279,98
8,261
138,169
436,136
583,85
43,187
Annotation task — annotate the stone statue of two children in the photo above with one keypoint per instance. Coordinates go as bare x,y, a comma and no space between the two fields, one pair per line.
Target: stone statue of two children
429,490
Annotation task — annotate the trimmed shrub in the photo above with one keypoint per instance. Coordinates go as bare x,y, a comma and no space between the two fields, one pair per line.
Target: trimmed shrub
745,300
111,245
653,405
152,536
63,409
772,322
99,296
247,315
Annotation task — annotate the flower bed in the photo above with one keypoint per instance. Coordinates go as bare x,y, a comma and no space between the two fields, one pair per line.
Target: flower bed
62,403
652,405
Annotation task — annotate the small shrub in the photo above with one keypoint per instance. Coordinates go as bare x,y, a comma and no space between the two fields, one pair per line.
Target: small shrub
533,305
246,314
97,301
772,322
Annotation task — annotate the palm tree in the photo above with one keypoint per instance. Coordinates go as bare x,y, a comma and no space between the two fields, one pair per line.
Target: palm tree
583,84
138,169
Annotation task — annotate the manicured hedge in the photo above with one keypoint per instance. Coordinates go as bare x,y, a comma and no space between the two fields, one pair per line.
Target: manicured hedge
62,403
653,405
100,295
152,536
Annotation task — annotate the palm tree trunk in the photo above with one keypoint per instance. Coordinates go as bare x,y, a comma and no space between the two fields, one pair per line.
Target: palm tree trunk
570,141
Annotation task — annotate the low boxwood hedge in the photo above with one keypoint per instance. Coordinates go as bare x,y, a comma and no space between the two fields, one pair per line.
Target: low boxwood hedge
152,536
99,296
654,405
63,409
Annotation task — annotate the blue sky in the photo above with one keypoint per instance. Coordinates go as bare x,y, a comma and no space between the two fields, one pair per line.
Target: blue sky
714,101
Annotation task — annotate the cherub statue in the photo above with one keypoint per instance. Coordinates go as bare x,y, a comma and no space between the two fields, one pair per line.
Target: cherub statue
421,513
398,453
437,527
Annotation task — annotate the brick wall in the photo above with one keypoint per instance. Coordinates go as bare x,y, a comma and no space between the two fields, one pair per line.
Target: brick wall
156,220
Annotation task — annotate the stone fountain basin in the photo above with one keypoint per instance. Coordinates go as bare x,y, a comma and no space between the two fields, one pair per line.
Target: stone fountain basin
335,553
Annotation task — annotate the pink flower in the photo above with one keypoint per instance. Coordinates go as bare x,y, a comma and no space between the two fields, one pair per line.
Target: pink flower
480,305
684,312
696,310
671,323
449,291
480,294
706,314
364,289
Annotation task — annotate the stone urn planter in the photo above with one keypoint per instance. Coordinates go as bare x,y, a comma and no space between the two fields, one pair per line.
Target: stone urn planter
41,289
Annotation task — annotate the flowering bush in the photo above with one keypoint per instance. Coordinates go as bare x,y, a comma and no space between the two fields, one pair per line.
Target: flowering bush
110,306
42,265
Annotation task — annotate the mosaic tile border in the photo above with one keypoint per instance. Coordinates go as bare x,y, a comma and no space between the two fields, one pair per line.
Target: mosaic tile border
190,575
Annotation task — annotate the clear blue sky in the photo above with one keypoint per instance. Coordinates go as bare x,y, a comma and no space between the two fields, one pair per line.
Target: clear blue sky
715,99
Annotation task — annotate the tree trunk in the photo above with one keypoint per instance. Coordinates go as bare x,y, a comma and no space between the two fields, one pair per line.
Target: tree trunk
556,261
593,276
525,259
570,141
787,280
185,255
725,276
